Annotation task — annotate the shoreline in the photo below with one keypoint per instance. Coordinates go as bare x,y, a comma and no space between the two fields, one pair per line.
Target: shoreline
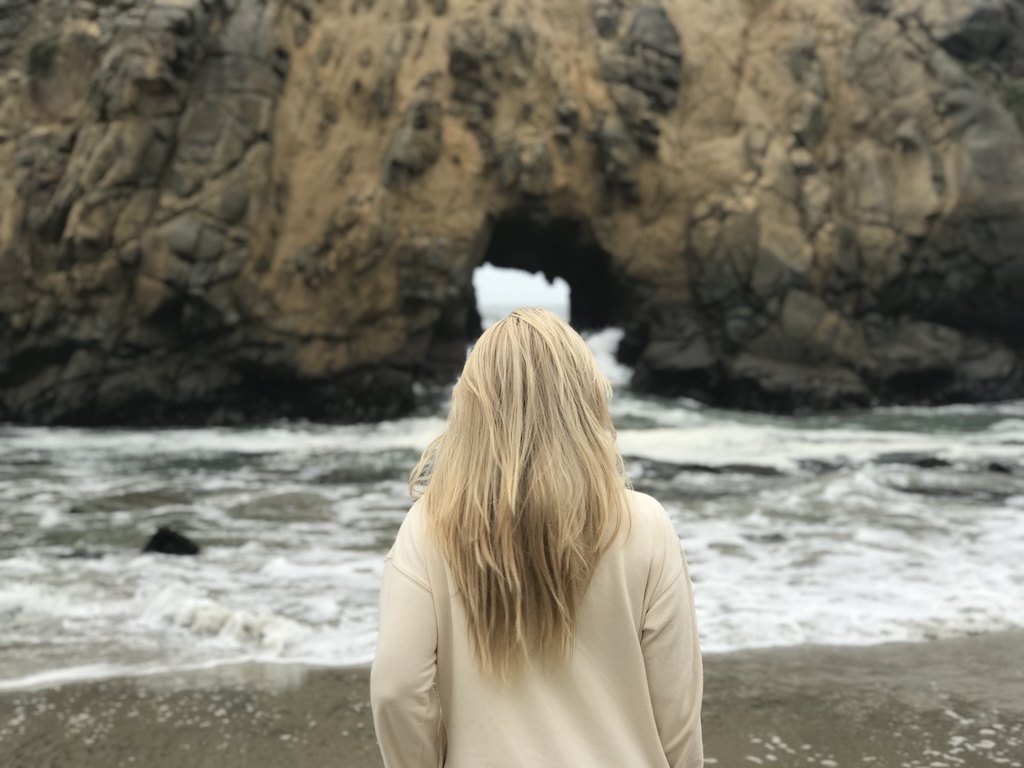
952,702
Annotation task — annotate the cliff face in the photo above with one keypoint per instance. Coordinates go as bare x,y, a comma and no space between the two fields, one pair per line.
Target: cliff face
223,209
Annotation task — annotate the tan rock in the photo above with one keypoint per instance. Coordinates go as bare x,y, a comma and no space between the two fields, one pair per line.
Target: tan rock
301,191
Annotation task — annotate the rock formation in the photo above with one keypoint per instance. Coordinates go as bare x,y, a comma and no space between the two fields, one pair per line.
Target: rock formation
214,210
167,541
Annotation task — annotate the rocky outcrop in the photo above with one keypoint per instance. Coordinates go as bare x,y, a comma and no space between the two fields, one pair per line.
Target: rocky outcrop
214,210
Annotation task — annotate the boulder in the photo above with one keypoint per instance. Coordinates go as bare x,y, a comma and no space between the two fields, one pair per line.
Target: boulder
169,542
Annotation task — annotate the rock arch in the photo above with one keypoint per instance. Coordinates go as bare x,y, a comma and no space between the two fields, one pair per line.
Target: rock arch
561,248
257,208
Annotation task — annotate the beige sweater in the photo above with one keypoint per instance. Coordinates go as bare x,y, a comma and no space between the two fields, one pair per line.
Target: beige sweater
628,697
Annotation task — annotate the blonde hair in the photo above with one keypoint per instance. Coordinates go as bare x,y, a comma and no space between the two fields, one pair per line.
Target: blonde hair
524,489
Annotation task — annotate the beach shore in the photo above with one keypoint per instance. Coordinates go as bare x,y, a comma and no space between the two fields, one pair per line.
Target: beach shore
943,703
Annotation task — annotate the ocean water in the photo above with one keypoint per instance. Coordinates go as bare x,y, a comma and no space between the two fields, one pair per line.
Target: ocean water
894,524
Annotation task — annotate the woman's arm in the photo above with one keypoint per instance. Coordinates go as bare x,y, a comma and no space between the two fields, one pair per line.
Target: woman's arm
406,711
671,650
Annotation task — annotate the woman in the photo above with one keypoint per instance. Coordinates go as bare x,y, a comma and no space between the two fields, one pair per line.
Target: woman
534,611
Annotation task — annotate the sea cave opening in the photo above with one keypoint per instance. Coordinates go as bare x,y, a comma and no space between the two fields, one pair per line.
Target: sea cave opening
530,260
499,290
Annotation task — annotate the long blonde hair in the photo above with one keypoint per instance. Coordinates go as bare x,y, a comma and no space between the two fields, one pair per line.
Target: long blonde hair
524,489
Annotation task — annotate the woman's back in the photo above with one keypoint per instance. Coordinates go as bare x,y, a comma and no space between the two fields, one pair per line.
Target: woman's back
534,612
628,694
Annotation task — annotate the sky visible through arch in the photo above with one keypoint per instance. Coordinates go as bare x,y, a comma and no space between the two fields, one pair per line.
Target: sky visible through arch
499,291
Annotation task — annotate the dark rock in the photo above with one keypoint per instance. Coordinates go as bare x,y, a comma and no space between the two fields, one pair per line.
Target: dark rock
677,357
416,144
985,488
678,354
919,460
483,59
234,204
619,156
656,55
536,169
168,542
697,468
877,7
912,347
773,385
210,246
820,466
998,468
182,235
758,470
653,29
383,93
807,119
606,16
969,29
643,124
568,113
643,69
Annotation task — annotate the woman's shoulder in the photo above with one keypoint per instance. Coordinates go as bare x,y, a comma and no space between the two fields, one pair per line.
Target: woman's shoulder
651,533
646,510
410,551
653,539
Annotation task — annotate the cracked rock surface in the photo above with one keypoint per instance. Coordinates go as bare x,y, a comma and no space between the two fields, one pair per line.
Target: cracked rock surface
222,210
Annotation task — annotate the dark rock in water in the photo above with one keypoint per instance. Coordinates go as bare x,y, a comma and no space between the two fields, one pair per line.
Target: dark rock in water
959,486
700,468
656,471
999,468
169,542
758,470
920,460
820,466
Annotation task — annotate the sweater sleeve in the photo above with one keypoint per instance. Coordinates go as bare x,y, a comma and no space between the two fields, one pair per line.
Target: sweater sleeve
406,710
671,650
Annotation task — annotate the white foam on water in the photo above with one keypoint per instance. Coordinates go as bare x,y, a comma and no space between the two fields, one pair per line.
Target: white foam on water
723,443
848,560
295,521
604,345
295,439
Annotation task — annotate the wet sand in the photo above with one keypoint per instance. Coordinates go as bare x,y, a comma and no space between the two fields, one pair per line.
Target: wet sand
940,704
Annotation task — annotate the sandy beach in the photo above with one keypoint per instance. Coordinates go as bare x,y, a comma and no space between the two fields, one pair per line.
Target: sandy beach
939,704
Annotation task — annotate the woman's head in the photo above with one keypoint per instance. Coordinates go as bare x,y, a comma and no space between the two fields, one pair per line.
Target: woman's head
531,381
524,487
